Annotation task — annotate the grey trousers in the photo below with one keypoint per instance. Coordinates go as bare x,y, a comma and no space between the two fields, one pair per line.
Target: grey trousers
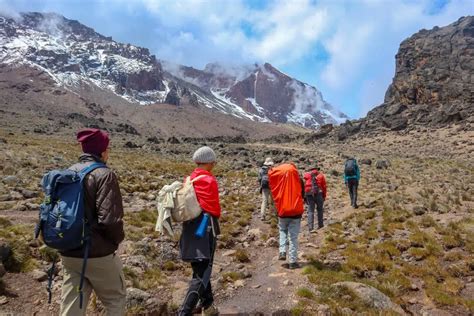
353,185
318,203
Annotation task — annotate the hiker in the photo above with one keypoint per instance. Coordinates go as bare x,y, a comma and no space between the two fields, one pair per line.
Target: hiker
315,195
267,199
199,250
351,179
104,212
288,190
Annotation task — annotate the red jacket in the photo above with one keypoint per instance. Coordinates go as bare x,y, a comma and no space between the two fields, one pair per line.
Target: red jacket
207,192
320,181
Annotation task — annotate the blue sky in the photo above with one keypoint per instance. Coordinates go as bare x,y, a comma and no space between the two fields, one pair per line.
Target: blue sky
346,48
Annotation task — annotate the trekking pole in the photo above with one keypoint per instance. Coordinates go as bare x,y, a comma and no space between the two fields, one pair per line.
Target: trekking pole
50,281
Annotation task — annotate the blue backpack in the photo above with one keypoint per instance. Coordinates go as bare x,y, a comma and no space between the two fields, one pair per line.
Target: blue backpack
62,222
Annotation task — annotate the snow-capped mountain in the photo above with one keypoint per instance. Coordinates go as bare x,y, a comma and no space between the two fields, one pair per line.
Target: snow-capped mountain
264,91
74,55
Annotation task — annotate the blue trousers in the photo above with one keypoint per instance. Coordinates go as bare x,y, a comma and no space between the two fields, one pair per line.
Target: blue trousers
289,231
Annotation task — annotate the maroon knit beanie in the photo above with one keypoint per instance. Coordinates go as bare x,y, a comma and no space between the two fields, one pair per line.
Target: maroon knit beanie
93,141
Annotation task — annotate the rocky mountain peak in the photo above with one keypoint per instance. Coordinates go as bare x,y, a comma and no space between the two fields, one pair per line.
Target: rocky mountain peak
265,92
435,66
77,57
57,25
433,83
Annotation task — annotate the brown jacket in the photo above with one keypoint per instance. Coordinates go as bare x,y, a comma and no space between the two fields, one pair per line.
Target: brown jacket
103,210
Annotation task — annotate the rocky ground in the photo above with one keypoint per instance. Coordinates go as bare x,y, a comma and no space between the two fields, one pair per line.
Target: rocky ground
407,250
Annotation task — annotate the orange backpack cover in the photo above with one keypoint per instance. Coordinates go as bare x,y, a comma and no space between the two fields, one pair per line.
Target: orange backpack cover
285,184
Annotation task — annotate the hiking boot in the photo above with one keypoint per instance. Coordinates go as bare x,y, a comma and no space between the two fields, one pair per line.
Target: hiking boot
294,265
210,311
312,231
356,206
282,256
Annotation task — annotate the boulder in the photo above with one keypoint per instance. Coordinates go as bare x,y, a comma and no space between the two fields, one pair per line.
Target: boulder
229,253
173,140
39,275
334,173
382,164
254,233
28,194
395,109
3,271
272,242
370,296
11,180
130,144
136,297
419,210
323,310
5,197
139,261
5,250
399,124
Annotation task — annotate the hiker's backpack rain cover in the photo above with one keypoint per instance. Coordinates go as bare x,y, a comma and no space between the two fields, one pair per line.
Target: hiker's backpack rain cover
285,184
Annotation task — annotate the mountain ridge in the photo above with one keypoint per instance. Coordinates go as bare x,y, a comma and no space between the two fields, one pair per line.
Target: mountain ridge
74,54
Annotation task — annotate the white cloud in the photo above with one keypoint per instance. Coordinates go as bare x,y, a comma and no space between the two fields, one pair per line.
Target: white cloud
289,30
8,11
347,51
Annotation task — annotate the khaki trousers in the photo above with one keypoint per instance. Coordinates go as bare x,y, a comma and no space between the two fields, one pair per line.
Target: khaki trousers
267,201
104,275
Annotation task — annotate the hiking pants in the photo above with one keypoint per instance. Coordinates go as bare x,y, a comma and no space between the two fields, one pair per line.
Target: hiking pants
289,231
103,275
318,203
198,291
267,201
352,185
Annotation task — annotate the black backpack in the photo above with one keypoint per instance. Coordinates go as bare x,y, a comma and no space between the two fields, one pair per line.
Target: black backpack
350,168
264,180
314,185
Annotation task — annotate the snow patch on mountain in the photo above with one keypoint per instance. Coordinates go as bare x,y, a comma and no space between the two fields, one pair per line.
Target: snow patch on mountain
237,110
71,62
74,55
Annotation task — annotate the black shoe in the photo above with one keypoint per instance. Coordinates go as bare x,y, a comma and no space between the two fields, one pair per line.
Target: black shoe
356,206
294,265
282,256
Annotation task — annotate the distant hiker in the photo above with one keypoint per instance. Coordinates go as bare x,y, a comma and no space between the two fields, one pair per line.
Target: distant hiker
103,212
199,236
351,179
267,199
288,189
315,195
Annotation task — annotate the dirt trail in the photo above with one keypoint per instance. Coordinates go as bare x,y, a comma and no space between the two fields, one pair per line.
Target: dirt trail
273,286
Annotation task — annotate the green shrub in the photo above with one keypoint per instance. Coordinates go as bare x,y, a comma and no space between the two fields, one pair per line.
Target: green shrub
242,256
305,292
48,254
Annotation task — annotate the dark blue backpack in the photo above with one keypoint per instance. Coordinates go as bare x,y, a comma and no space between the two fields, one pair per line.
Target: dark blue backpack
62,221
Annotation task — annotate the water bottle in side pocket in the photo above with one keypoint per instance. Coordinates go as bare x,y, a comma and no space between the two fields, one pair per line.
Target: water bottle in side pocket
201,230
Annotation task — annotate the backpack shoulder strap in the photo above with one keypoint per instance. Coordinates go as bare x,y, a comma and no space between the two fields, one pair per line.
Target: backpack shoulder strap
314,183
197,178
84,172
